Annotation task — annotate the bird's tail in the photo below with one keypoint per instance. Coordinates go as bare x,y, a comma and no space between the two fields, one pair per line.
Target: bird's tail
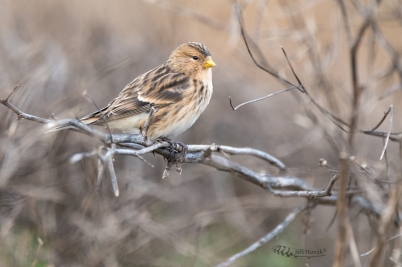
59,128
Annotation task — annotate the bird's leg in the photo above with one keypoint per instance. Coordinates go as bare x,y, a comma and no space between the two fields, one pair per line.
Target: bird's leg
177,155
144,131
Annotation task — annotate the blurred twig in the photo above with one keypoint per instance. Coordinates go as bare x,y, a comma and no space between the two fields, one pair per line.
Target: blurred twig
40,244
278,229
391,118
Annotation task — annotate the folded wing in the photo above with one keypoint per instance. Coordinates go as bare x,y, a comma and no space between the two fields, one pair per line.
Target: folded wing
155,88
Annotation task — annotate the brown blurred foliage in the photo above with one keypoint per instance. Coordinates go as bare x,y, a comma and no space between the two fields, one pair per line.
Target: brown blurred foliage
56,50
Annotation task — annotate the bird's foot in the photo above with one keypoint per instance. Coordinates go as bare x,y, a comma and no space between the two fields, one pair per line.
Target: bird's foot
178,153
178,150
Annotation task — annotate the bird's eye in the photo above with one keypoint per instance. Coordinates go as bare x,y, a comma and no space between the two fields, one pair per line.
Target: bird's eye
195,57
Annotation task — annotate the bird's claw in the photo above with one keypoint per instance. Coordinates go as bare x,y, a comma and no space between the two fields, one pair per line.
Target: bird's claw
178,153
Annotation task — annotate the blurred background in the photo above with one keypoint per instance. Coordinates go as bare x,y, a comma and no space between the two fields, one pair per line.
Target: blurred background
58,51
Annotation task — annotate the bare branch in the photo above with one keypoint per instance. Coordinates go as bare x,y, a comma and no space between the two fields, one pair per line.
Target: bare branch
309,194
240,151
79,156
12,92
20,114
100,169
371,250
112,173
278,229
302,89
199,154
142,151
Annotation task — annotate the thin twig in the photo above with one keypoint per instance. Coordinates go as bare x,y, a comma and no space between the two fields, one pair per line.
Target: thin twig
352,245
293,71
261,98
348,29
332,117
382,120
308,194
395,137
40,244
387,218
342,208
109,161
391,118
278,229
20,114
371,250
353,158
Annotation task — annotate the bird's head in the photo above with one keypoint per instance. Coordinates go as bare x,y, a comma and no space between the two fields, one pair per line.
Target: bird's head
191,59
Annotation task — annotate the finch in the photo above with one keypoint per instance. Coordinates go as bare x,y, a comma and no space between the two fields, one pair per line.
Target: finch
179,90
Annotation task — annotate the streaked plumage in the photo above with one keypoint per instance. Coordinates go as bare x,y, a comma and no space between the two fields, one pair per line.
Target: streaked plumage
179,90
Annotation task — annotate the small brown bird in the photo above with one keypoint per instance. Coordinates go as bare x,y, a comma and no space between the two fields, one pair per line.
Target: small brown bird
179,90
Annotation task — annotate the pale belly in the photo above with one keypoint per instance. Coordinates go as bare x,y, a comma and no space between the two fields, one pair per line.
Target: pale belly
177,127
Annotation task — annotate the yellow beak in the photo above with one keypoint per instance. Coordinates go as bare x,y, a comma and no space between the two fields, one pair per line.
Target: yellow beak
209,63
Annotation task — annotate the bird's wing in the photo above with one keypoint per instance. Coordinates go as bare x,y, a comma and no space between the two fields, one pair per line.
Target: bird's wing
141,94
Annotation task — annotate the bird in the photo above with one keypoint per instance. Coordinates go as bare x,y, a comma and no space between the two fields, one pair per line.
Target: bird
177,91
